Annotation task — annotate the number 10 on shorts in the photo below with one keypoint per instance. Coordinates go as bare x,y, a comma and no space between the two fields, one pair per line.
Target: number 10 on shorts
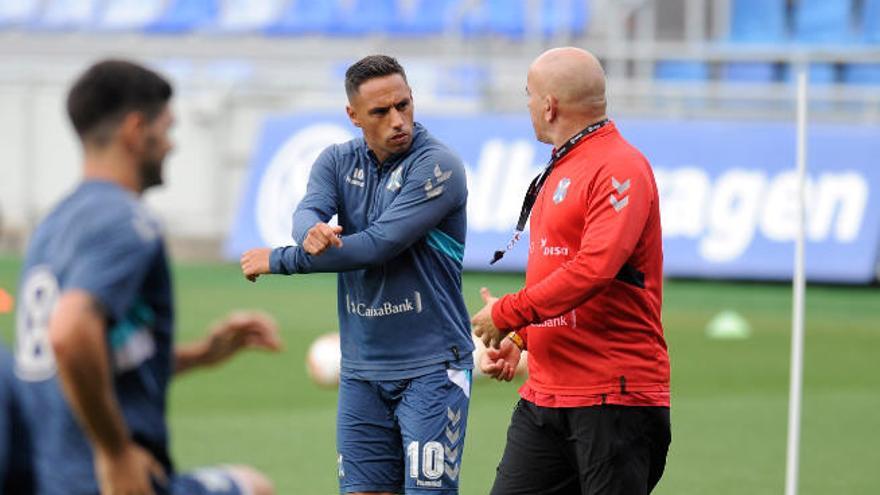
431,460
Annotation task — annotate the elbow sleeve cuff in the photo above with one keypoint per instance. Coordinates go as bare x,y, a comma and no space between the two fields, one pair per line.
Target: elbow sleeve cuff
277,263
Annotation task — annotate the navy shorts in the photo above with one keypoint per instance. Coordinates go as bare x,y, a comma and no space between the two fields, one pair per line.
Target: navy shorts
402,436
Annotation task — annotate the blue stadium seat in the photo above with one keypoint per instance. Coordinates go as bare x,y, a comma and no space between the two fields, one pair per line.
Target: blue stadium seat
17,12
823,21
499,17
755,22
124,15
820,73
181,16
425,17
681,70
749,72
464,80
240,16
870,17
862,74
365,17
869,33
758,21
564,17
305,17
66,15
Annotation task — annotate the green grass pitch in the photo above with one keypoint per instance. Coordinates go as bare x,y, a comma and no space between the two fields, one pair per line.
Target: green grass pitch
729,397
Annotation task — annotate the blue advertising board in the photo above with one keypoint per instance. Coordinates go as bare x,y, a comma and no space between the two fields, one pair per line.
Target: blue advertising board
728,191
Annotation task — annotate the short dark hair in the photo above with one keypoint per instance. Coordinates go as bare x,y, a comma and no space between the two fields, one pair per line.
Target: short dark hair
370,67
110,89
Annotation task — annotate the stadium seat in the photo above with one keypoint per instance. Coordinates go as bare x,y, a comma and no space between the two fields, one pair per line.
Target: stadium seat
862,74
823,21
360,17
305,17
749,72
755,22
123,15
181,16
758,21
869,33
425,17
820,73
65,15
496,17
681,70
240,16
564,17
17,12
870,17
463,80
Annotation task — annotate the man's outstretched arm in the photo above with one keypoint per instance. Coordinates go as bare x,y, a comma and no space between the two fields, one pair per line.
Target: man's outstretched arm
77,333
432,190
238,331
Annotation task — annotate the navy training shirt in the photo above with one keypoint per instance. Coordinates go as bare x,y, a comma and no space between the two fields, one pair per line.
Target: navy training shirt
401,311
101,240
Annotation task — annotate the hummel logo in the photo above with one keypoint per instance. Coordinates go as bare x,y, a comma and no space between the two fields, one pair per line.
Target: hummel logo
452,471
454,416
452,435
440,175
431,190
619,204
451,454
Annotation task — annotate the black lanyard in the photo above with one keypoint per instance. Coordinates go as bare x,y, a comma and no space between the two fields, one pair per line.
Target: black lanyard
538,182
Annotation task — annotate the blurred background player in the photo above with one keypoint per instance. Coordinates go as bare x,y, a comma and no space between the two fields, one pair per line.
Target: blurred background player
96,311
594,414
400,196
16,475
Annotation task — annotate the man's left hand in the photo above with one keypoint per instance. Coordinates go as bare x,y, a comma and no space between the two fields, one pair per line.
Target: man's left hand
484,326
255,262
240,331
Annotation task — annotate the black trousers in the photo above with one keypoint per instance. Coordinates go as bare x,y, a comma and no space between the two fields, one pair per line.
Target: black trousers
608,450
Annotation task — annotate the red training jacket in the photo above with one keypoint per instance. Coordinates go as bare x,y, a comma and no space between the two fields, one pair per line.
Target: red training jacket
590,309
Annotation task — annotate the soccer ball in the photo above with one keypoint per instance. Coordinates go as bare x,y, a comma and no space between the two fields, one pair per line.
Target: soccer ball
323,360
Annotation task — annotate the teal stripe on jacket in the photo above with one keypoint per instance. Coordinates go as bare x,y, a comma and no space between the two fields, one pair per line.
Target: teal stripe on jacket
441,241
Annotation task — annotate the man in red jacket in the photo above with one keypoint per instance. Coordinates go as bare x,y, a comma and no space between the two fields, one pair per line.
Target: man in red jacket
594,413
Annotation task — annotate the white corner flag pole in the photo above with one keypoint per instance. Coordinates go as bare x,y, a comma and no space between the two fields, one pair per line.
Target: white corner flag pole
798,290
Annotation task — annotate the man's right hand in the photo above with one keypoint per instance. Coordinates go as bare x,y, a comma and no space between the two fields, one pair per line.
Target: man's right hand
320,237
129,472
500,364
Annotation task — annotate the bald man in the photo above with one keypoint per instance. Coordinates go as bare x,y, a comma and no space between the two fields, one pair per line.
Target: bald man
594,413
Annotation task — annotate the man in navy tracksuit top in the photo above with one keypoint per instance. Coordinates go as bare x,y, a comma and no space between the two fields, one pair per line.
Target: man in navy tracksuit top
400,197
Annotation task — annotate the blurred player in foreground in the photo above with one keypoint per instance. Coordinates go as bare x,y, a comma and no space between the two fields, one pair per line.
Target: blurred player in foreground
594,413
95,322
400,197
16,475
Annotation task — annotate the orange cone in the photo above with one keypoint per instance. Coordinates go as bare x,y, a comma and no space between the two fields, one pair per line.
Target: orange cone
6,302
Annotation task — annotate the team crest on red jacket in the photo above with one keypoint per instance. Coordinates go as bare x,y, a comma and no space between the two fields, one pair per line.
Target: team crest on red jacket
561,190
